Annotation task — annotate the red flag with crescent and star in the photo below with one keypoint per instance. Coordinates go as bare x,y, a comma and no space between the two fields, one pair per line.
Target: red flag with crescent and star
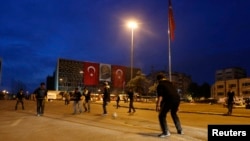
91,73
171,22
118,76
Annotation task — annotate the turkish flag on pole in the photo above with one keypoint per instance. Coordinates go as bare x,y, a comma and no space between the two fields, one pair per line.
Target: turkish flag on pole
171,23
118,76
91,73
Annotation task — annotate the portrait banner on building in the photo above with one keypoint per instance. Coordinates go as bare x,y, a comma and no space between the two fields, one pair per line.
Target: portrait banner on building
118,76
105,72
91,73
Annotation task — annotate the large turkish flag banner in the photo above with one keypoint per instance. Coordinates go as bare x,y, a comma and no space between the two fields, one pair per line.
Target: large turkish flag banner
91,73
118,76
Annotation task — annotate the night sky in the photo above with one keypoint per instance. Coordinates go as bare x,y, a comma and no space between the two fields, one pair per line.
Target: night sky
209,35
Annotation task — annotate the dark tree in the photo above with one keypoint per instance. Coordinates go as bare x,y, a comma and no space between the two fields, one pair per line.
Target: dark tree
193,89
204,90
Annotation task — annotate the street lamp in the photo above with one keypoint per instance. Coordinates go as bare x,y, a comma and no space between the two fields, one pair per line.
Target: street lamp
60,84
81,83
132,25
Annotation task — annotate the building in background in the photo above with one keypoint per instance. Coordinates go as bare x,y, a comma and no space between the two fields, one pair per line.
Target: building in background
230,73
231,77
71,73
180,80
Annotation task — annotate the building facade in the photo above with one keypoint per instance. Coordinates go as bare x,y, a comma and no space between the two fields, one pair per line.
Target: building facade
241,88
180,80
230,73
70,74
236,78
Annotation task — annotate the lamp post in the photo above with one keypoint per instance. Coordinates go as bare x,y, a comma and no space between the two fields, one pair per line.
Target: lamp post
81,83
64,81
132,25
60,84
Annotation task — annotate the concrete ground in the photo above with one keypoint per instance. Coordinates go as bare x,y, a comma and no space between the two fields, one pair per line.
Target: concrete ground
58,123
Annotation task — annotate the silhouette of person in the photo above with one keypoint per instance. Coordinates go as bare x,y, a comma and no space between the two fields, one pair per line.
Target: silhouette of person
106,97
41,94
19,99
117,101
67,98
167,100
77,101
131,100
230,101
86,103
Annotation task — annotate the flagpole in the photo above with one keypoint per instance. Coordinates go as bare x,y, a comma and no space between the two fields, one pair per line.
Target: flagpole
171,28
169,54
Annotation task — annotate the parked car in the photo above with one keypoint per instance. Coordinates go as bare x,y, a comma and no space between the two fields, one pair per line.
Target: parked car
237,103
247,103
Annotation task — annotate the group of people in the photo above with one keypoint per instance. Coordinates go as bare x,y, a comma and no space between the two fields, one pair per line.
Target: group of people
78,97
168,100
40,93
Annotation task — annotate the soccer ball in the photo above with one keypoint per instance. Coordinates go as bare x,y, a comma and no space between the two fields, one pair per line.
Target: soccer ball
114,115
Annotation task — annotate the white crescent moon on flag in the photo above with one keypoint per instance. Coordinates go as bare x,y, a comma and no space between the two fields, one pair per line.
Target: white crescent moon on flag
89,68
121,72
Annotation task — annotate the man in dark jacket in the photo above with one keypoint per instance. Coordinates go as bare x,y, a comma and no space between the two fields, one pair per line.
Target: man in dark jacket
77,101
41,94
230,100
86,103
19,99
106,97
131,100
168,100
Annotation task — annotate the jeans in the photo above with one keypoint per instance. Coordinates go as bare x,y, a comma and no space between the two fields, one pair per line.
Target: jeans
104,106
86,105
131,106
77,106
40,106
230,107
17,102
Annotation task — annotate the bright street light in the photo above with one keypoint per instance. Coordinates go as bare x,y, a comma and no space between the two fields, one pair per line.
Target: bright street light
132,25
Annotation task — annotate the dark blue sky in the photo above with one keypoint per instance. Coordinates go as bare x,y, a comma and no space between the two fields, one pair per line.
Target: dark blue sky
209,35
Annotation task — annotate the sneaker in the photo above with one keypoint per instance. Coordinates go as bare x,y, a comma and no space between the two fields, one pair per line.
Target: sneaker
163,135
38,115
104,114
180,132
